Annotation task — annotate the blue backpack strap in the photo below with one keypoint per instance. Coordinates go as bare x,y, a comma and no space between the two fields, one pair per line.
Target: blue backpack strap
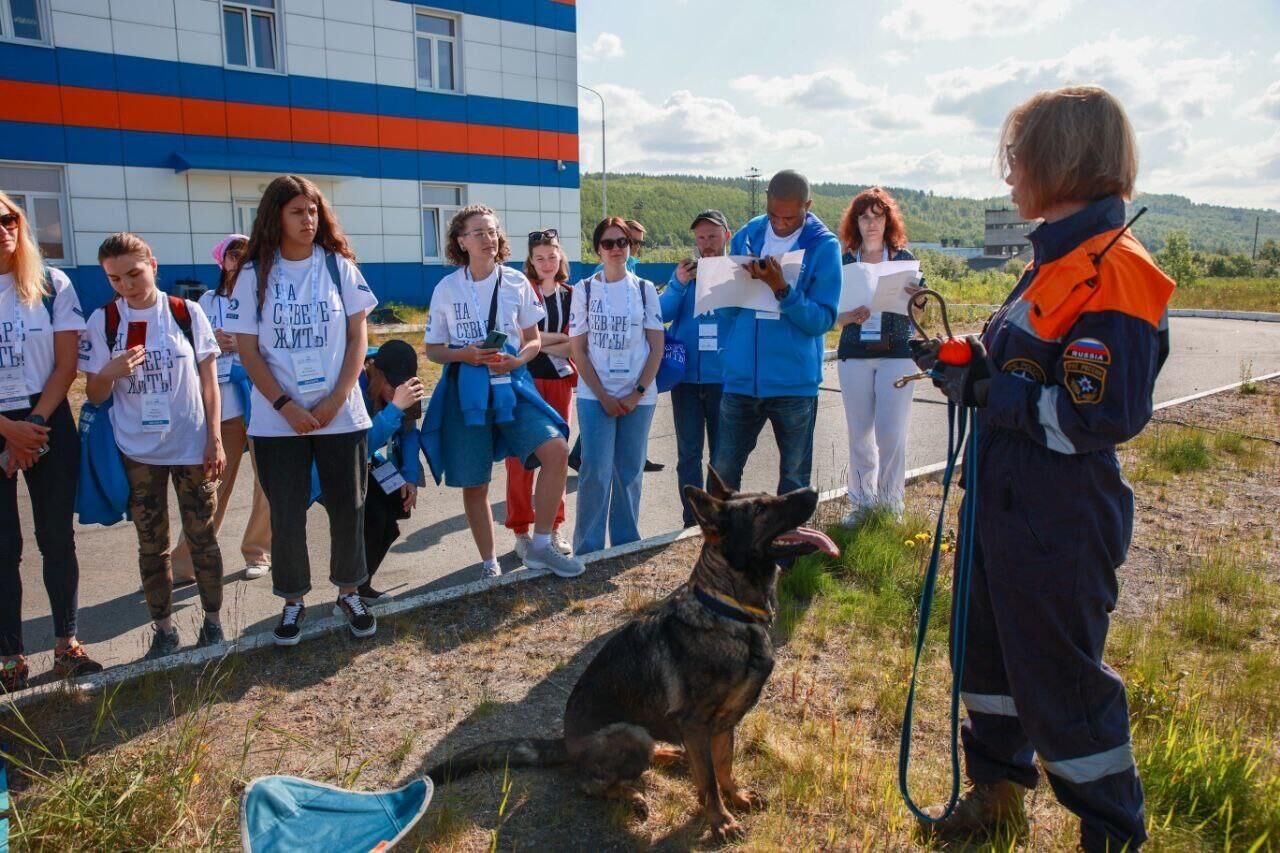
331,261
49,295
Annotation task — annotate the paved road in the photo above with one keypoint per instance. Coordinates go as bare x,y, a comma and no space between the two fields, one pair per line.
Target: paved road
436,549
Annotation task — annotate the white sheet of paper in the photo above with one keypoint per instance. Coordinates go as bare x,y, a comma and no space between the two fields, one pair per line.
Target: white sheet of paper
880,287
723,283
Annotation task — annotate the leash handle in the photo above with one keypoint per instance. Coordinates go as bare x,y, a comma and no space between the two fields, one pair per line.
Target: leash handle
959,421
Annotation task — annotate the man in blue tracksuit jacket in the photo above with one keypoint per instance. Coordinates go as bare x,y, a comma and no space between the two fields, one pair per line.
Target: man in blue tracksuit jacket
695,400
772,360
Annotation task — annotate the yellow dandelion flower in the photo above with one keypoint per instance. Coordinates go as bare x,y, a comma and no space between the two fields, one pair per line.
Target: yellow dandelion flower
910,543
922,536
195,778
945,547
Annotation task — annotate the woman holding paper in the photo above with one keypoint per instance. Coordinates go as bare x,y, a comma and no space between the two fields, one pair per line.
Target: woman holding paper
873,354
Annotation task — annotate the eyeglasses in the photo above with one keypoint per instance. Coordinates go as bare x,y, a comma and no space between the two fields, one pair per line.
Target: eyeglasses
9,220
540,236
491,233
611,243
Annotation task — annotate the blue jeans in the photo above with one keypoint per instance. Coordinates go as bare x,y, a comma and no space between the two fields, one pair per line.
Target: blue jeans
609,480
793,420
696,409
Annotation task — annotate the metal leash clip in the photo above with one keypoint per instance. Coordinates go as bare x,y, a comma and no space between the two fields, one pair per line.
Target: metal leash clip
951,351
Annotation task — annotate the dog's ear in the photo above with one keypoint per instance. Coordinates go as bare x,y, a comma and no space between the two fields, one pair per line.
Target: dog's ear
706,508
716,487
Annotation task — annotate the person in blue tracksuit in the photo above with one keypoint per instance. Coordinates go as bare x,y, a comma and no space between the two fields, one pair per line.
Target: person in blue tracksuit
695,400
772,360
1064,372
393,396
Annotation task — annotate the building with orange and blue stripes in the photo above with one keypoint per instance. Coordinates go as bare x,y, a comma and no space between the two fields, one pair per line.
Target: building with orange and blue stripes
169,117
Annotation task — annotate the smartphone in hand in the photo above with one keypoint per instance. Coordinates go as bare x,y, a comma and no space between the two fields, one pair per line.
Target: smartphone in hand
494,340
137,334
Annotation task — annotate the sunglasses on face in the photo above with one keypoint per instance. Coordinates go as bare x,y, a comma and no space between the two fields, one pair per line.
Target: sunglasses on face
481,233
9,220
611,243
541,236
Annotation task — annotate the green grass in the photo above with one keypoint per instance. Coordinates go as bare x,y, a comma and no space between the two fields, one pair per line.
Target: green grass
1230,294
1175,450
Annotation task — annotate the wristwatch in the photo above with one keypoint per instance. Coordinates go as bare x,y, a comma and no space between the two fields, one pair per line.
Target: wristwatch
782,294
639,389
38,420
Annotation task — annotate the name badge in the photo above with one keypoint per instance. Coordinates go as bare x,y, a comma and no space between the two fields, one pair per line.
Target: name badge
155,413
619,362
388,478
499,379
708,337
13,390
872,335
767,315
561,364
308,371
224,368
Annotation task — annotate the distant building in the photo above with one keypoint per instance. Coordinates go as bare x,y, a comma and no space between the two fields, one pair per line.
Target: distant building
1005,234
963,252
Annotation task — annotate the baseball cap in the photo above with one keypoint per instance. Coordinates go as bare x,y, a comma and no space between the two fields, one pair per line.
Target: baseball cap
397,361
711,216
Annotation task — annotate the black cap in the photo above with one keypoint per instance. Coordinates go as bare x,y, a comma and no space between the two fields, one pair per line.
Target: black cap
397,361
711,216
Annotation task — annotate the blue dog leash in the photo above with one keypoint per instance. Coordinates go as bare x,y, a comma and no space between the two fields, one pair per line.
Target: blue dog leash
959,421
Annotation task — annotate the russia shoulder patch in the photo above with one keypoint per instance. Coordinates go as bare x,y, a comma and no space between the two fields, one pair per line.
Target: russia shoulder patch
1085,362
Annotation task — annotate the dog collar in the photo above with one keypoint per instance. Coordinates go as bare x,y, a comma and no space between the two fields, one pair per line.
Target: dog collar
730,607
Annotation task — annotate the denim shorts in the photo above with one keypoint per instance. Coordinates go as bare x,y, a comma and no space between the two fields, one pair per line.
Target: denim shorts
469,450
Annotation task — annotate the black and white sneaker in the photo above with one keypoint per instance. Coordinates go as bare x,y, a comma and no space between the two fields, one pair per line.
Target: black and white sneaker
289,631
352,608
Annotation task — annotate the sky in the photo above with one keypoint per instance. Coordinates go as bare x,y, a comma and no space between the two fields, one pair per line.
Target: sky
911,93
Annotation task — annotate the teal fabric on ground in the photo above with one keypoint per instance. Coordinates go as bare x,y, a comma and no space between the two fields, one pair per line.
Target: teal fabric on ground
280,814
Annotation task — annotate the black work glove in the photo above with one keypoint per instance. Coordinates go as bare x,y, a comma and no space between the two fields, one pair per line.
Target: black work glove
967,385
924,353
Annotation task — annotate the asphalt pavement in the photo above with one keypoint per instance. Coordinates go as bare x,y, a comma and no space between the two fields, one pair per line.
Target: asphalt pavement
436,550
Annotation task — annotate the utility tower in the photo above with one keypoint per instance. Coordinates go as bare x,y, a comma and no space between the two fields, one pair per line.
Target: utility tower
753,183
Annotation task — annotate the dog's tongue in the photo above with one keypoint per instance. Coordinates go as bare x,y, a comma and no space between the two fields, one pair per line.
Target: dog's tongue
816,538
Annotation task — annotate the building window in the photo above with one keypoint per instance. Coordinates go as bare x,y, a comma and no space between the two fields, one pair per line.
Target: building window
439,204
39,193
438,64
250,34
245,212
24,20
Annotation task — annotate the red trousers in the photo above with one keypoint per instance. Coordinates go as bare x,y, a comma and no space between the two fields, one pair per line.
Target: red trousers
559,395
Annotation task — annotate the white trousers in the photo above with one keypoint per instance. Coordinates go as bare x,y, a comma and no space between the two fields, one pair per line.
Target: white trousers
876,414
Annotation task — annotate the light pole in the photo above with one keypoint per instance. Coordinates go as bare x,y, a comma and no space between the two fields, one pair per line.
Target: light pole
604,159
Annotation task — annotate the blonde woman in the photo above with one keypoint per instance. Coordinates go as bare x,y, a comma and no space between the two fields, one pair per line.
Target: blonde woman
40,325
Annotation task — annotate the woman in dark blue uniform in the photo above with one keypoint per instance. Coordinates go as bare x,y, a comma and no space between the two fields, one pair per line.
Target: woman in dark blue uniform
1064,372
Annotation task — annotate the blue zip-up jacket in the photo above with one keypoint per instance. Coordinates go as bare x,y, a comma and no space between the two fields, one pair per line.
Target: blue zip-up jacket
401,440
102,496
676,301
783,357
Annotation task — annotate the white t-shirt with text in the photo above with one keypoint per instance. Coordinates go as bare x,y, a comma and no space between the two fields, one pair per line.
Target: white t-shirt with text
775,246
615,324
215,308
302,335
26,337
460,307
169,372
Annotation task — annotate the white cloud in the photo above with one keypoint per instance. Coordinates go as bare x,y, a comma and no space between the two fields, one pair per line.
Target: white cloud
942,172
1245,174
1268,105
684,133
894,58
930,20
606,46
830,89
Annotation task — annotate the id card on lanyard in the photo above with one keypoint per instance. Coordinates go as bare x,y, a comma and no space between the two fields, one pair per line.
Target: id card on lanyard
492,322
388,477
870,332
308,364
224,361
157,414
620,358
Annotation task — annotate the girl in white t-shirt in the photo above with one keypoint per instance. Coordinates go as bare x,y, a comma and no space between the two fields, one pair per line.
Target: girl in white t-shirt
255,544
480,298
299,310
152,356
40,325
616,335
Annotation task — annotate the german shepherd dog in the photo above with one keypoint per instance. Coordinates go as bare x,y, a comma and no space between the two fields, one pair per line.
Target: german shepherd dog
684,672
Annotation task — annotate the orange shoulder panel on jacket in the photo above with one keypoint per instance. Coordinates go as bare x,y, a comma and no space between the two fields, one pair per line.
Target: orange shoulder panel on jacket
1127,281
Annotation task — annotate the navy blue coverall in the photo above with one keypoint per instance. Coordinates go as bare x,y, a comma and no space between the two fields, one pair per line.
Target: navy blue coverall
1078,347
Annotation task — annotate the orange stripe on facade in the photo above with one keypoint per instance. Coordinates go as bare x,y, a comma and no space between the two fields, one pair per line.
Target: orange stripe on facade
47,103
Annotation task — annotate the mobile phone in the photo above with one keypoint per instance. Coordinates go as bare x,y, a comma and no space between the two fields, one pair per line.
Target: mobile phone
137,335
495,340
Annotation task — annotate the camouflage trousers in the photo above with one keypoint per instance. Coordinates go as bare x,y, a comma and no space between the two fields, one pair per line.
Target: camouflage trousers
197,504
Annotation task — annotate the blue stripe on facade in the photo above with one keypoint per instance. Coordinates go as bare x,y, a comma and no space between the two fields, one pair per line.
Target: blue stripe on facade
100,146
539,13
90,69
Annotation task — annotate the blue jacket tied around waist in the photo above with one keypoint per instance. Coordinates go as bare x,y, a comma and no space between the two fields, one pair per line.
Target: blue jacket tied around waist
103,493
783,357
473,386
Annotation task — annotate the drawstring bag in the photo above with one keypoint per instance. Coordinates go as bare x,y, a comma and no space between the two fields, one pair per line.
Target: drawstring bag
282,814
672,367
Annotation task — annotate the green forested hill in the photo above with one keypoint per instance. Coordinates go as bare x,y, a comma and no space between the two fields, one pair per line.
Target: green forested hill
667,203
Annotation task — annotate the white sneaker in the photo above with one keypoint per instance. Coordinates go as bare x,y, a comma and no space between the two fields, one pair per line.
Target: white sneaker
854,517
522,544
493,571
257,570
549,557
561,544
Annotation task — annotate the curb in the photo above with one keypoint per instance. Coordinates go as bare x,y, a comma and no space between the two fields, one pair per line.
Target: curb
329,624
1214,314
